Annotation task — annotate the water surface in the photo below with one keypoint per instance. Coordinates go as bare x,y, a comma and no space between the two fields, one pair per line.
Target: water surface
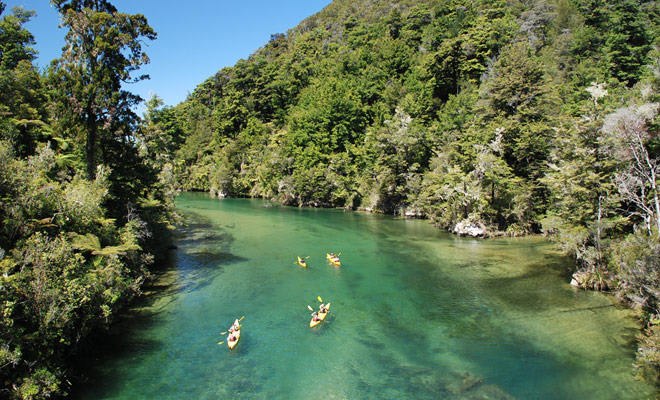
416,314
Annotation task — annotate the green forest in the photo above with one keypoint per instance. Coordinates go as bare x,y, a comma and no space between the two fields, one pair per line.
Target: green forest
502,117
84,211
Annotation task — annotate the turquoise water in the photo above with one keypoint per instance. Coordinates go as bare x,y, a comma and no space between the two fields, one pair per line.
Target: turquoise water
416,314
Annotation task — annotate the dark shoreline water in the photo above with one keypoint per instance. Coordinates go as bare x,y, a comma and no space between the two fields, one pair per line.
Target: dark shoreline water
416,313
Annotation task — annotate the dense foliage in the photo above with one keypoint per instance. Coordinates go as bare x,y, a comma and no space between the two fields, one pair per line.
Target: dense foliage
83,210
515,116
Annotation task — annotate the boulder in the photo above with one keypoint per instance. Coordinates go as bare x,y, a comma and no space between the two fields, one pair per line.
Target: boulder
471,228
578,279
413,213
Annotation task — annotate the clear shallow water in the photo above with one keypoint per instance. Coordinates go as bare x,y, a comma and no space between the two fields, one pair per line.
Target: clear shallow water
416,314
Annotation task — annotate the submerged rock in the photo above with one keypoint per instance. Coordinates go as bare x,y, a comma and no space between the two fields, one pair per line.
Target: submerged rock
470,387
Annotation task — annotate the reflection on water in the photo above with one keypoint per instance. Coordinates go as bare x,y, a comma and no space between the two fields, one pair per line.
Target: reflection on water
416,314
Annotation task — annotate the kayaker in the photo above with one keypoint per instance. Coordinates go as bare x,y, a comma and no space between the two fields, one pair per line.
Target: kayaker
231,337
323,309
315,316
235,326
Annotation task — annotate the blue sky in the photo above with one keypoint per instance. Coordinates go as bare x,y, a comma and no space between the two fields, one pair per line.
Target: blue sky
196,38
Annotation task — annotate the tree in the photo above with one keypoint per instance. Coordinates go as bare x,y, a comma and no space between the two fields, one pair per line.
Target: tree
22,93
627,42
394,23
78,5
582,198
399,152
103,48
522,100
15,41
627,137
159,134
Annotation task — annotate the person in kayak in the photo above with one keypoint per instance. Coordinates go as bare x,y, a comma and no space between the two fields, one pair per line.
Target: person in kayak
231,337
315,316
234,326
323,309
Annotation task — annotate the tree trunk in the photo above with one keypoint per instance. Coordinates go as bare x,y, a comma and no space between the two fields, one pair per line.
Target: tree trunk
599,232
90,146
657,203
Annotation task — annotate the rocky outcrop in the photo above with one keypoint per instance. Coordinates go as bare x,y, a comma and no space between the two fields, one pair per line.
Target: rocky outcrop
412,213
471,228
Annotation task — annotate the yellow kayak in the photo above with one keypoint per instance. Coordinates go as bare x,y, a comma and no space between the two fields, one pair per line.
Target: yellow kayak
334,260
321,317
233,344
302,263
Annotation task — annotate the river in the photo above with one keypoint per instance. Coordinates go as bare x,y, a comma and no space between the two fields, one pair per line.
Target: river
416,313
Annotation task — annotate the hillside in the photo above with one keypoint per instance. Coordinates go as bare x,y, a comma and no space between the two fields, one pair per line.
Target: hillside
395,106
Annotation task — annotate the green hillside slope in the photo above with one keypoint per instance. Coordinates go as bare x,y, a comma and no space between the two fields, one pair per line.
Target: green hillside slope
448,109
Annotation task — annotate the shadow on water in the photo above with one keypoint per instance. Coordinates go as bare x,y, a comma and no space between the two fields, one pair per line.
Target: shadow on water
201,252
